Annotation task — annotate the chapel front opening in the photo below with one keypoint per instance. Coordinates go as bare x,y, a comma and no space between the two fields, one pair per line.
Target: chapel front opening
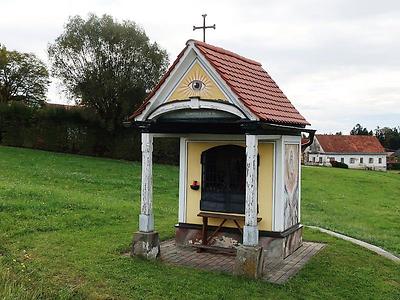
223,179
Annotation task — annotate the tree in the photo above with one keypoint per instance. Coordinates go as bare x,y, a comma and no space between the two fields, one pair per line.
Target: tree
23,77
389,137
107,65
359,130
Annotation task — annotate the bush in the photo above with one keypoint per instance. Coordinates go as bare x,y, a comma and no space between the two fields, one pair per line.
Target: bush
393,166
338,164
75,130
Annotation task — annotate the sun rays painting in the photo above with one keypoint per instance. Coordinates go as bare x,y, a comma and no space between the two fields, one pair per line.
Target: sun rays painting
197,83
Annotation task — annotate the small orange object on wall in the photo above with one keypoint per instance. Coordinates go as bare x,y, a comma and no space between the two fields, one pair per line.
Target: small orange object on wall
195,185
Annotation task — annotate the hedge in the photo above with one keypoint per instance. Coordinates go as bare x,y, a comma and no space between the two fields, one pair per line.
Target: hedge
75,130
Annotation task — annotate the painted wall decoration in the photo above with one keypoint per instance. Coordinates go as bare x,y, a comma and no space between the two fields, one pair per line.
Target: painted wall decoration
291,185
197,83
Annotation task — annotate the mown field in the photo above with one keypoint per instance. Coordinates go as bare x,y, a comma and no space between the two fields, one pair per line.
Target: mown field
65,220
361,204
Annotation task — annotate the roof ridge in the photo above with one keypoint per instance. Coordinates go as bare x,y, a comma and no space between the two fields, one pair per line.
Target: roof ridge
346,135
224,51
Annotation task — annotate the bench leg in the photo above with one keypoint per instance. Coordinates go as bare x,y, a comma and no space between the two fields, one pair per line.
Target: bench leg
216,231
238,226
204,233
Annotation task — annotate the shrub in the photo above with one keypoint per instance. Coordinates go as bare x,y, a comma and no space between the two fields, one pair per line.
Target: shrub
78,131
338,164
393,166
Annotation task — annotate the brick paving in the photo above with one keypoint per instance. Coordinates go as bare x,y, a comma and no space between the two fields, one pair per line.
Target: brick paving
275,272
189,257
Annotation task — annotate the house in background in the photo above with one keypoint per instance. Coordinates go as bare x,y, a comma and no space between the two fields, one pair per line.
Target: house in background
393,156
357,151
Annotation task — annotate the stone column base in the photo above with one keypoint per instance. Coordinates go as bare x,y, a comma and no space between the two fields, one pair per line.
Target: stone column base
146,245
249,261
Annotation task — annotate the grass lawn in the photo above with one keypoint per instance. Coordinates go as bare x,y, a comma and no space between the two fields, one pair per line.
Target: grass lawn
65,219
361,204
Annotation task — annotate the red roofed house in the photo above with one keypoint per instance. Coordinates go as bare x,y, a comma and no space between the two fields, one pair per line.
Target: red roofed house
240,140
357,151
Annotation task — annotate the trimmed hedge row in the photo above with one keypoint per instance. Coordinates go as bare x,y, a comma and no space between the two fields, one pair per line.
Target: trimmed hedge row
78,131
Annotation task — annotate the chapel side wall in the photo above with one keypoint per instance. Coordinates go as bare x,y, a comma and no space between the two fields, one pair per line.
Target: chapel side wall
266,171
291,152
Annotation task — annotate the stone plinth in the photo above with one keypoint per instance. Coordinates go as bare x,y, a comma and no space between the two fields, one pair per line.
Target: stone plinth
276,245
249,261
146,245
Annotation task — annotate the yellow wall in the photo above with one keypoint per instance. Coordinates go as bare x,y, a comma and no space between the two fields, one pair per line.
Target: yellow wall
265,182
210,90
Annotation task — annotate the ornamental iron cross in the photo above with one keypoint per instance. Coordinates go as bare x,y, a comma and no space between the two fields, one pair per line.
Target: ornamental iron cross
204,27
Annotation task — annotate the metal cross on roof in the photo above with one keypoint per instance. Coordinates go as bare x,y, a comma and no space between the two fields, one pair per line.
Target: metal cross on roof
204,27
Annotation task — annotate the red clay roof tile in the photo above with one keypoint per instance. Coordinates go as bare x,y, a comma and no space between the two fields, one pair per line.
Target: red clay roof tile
349,143
253,86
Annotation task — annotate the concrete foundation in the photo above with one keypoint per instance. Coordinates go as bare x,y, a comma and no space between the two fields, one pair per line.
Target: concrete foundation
275,245
146,245
249,261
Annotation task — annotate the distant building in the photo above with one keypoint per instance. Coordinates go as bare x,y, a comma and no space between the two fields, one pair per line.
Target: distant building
393,156
357,151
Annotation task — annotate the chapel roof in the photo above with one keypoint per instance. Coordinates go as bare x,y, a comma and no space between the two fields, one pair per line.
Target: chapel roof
253,86
349,143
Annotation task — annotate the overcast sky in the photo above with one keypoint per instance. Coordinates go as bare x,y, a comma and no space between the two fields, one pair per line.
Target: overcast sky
337,61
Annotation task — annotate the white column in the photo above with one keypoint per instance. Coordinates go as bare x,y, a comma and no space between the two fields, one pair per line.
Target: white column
279,207
146,219
250,230
182,180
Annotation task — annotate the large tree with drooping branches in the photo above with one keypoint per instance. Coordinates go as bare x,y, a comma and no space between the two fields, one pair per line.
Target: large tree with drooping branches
107,65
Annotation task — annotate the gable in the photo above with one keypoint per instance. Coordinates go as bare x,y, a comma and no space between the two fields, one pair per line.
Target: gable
197,83
175,92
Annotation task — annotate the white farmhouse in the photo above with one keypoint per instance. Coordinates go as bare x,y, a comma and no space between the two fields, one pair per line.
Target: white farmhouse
357,151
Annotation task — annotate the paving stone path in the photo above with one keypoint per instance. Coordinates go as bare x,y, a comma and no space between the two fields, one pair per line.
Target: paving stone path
276,272
368,246
189,256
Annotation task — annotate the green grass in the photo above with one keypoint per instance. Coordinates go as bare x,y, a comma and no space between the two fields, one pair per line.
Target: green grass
361,204
65,219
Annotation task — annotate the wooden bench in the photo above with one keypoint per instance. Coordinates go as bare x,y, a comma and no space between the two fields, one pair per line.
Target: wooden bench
225,217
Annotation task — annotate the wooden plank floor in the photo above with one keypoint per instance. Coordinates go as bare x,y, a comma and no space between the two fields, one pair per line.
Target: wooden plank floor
278,272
